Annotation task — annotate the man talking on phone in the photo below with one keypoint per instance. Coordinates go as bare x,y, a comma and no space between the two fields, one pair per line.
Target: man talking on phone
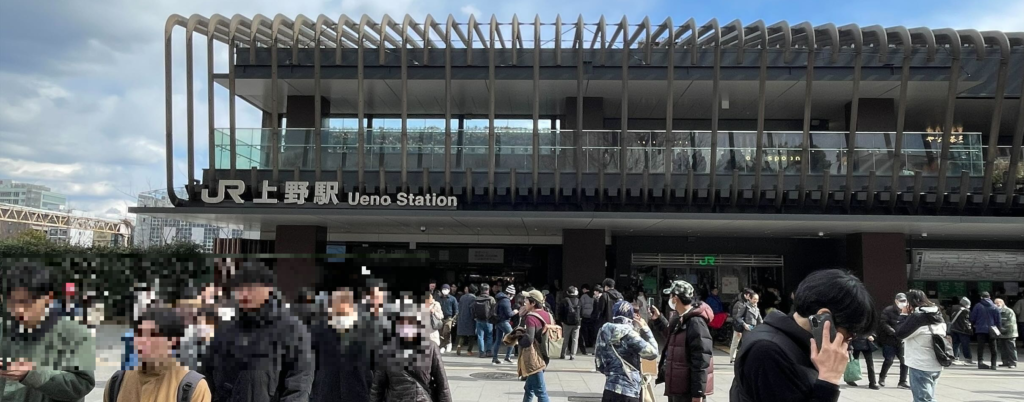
784,360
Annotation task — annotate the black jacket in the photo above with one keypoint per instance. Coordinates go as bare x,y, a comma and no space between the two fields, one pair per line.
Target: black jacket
260,356
774,364
962,323
606,305
397,381
887,327
570,302
344,363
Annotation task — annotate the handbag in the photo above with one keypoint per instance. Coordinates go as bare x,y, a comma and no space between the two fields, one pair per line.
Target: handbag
852,373
646,382
942,349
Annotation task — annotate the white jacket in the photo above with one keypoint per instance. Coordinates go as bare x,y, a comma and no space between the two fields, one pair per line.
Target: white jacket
918,346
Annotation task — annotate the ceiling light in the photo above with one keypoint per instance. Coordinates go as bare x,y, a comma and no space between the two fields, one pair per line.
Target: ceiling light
924,234
821,234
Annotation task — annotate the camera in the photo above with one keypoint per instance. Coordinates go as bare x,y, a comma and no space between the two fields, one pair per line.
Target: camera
423,229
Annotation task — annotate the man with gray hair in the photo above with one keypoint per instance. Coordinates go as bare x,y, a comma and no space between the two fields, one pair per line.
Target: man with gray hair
1007,338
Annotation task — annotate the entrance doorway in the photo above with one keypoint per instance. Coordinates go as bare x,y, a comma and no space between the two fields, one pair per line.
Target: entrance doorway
730,273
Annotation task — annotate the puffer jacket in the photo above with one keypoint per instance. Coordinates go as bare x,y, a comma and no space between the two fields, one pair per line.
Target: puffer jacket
396,381
686,366
260,356
915,330
984,316
960,317
619,339
1007,323
887,326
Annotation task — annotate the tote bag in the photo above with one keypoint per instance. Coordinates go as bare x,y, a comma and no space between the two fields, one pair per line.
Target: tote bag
852,373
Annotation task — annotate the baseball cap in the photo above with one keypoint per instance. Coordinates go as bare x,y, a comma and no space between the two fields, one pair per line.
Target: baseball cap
679,287
901,297
536,295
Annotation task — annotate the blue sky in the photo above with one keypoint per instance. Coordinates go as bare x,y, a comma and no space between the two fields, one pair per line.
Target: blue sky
81,101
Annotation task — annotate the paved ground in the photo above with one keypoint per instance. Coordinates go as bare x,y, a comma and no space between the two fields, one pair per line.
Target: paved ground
577,381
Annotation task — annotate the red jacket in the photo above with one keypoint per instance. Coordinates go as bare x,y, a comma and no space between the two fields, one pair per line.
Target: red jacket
686,366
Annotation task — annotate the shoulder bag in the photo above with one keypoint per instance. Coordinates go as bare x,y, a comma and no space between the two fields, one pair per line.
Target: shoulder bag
646,384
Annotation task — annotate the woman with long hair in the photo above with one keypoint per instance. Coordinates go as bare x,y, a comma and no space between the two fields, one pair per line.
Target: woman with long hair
920,320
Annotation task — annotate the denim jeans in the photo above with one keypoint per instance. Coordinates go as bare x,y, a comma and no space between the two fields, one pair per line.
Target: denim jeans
500,329
922,384
961,345
535,387
483,336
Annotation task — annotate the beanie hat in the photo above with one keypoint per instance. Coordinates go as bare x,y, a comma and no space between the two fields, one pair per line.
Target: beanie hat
965,302
253,273
623,308
511,289
446,287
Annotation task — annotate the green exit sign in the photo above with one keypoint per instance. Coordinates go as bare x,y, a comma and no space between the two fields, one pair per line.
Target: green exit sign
709,260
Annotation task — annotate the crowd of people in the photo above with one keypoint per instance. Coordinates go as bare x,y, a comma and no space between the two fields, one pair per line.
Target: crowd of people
363,342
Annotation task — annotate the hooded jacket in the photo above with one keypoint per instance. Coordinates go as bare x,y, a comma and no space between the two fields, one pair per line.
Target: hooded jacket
465,325
344,363
960,318
774,364
619,342
984,316
64,353
504,307
606,304
260,356
686,366
915,330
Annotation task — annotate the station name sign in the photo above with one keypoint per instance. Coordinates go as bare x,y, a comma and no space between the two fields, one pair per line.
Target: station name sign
324,193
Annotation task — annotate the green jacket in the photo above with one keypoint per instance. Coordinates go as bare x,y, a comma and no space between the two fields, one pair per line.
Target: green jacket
1007,323
64,354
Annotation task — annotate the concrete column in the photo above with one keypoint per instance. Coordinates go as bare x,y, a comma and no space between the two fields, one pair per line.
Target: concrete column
302,114
880,259
583,256
294,274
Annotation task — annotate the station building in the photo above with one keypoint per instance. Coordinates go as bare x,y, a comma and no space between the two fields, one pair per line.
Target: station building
562,152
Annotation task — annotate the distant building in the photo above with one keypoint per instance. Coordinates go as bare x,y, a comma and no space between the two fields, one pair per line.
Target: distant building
152,231
32,196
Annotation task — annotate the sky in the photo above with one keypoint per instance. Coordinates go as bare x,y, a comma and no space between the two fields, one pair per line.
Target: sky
81,82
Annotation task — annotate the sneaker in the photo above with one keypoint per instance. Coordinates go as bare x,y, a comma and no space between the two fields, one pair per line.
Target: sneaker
572,357
881,382
873,386
983,366
507,360
851,383
903,385
496,362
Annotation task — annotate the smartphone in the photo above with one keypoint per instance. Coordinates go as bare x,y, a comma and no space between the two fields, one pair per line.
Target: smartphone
818,328
650,301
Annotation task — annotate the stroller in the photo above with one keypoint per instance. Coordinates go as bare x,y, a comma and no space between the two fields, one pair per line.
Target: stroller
720,331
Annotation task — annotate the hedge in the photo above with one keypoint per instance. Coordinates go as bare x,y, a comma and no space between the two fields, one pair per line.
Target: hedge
112,271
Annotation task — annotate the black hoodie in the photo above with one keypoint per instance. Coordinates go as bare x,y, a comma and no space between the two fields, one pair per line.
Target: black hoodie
774,364
606,305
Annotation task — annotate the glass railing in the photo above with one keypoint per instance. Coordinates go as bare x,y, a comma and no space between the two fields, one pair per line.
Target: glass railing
611,151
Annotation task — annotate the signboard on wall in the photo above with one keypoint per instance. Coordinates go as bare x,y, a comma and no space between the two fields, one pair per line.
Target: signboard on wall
730,285
486,256
975,265
951,289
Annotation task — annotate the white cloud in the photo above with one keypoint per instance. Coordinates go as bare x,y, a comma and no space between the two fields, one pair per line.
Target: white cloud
470,9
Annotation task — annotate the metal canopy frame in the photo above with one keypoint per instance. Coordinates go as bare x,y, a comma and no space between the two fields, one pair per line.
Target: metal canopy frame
392,37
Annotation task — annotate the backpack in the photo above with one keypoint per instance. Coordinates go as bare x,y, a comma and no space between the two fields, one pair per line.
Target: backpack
185,388
493,314
941,348
572,316
482,309
553,332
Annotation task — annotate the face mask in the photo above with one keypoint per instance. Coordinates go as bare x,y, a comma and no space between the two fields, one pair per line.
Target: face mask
901,305
672,304
407,331
342,322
